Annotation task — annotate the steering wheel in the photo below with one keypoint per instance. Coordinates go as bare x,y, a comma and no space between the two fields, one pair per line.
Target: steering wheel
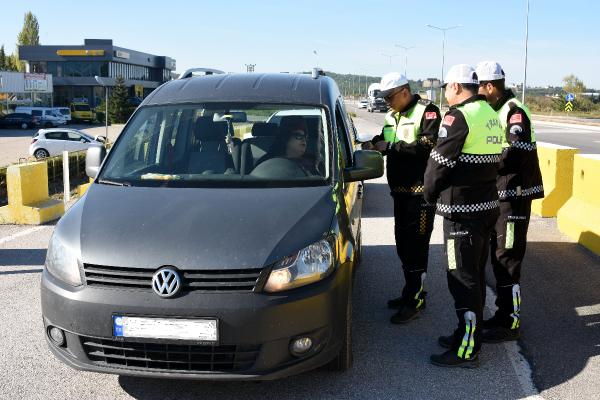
279,168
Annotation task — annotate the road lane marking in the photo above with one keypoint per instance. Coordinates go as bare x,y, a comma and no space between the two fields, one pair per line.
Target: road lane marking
586,311
22,233
519,363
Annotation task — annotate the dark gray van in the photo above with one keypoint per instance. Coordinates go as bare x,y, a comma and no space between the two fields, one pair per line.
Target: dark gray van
219,237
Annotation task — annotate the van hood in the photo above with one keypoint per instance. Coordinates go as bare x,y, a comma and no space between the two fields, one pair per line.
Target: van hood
199,228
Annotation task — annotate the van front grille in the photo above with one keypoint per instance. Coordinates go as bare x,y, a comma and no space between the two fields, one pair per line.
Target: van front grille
170,357
236,280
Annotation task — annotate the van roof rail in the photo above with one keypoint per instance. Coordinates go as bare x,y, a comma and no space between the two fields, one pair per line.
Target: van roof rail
207,71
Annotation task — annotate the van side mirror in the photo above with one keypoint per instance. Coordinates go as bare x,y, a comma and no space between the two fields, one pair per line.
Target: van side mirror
93,159
368,164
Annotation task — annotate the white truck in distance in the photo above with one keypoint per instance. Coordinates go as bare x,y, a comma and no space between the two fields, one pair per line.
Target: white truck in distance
376,103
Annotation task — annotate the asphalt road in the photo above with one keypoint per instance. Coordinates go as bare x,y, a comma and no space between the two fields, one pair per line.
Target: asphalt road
560,318
585,138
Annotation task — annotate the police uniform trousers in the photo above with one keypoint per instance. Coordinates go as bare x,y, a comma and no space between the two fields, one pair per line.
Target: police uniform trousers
467,247
413,224
508,244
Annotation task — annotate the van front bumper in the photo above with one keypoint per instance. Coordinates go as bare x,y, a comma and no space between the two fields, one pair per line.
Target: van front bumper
255,330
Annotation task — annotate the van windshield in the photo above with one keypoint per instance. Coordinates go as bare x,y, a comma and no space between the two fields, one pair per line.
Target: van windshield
82,107
222,145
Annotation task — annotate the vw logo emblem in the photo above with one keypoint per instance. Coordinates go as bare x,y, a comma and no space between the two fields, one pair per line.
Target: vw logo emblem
166,282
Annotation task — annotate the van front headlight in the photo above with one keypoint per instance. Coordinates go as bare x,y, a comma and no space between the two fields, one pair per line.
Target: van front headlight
61,262
311,264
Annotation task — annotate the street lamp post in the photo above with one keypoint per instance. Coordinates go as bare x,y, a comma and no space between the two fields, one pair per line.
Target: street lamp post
390,56
443,52
406,49
101,83
526,40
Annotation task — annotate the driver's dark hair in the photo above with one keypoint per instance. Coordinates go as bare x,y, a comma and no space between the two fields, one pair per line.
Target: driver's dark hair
286,127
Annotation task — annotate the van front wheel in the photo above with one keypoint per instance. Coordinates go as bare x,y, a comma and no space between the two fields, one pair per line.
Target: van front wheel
343,361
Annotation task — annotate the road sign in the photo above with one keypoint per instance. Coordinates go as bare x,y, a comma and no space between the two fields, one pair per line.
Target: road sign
570,97
569,106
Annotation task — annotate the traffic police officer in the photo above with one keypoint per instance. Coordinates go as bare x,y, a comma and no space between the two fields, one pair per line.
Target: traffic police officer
519,182
461,176
408,135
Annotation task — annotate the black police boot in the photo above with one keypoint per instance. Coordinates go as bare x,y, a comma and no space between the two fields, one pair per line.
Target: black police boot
499,334
451,360
490,323
396,303
446,341
407,312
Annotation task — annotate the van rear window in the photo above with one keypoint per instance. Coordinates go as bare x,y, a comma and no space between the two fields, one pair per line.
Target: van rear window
82,107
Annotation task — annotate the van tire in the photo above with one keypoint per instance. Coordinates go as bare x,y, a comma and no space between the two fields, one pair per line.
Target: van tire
41,153
24,125
358,252
343,361
48,125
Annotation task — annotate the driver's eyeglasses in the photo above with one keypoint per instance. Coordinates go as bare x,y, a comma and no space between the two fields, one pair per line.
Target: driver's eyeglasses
299,135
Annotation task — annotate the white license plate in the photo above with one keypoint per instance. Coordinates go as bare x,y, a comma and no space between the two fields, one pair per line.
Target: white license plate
205,330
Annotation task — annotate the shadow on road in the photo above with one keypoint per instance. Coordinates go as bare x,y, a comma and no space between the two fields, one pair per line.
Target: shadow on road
13,257
17,133
378,201
560,313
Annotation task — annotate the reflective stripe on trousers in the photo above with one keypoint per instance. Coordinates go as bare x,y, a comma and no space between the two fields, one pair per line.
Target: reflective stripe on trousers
468,342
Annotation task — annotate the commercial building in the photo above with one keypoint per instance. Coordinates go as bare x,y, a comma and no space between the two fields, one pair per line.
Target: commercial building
18,88
74,69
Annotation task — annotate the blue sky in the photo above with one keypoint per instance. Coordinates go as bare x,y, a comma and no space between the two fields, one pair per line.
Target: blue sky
349,36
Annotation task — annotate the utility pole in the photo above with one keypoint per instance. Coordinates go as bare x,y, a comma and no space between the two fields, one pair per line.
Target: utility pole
406,49
102,83
526,40
390,56
443,54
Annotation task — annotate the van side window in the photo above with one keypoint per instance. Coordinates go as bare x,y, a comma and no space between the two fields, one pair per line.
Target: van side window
342,133
36,113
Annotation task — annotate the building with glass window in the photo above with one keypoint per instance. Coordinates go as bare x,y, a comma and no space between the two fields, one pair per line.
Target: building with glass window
74,69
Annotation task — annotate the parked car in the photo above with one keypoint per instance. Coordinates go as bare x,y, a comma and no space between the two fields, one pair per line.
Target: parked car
52,142
363,103
81,112
18,120
65,112
195,254
47,116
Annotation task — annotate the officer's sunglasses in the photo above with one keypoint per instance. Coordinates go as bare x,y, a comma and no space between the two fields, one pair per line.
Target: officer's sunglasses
390,96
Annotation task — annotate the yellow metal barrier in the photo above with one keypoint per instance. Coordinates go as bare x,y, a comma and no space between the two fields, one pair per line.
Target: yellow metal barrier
28,200
81,189
556,164
579,218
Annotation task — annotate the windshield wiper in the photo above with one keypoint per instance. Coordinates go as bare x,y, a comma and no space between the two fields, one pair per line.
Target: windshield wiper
113,183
